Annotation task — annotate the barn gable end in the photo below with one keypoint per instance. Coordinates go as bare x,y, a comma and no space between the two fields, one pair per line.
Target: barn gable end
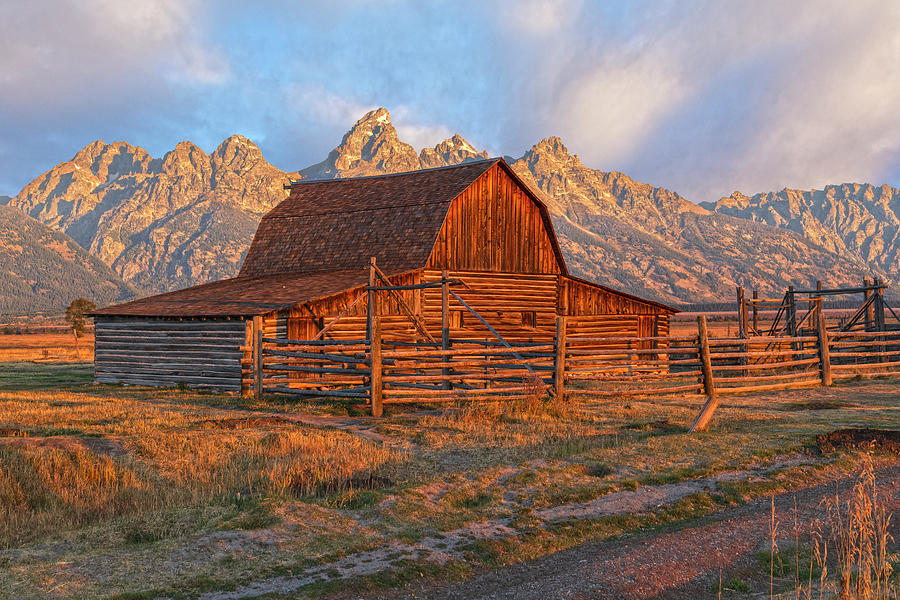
497,225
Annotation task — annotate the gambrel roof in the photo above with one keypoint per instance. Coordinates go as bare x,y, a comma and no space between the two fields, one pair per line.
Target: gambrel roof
342,223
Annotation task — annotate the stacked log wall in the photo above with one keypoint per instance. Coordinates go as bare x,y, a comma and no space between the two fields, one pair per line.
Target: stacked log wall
202,353
593,312
305,321
520,306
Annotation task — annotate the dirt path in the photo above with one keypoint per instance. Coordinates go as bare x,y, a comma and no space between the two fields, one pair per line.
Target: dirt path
681,557
675,565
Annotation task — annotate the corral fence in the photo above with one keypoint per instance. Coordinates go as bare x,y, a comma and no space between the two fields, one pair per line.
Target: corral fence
380,371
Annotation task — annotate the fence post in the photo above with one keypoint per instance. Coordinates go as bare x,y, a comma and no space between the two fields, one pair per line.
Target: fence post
376,392
755,312
709,385
742,325
791,312
257,357
822,341
445,324
879,317
372,308
869,314
560,376
742,313
878,305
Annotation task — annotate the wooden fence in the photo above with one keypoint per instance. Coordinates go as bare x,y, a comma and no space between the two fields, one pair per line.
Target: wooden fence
383,371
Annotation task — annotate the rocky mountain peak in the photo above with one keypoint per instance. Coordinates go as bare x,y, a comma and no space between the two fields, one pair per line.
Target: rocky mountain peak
184,160
736,200
86,157
550,155
860,221
370,147
451,151
236,153
108,161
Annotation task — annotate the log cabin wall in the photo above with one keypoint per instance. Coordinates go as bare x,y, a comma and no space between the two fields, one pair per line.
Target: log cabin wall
521,307
595,312
165,352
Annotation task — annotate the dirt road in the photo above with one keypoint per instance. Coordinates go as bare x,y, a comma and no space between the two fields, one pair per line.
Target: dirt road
678,564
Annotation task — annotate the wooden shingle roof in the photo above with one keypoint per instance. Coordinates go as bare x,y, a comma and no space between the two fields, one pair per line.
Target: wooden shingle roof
242,296
341,223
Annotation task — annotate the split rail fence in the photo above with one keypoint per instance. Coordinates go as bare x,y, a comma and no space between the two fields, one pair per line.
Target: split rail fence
382,371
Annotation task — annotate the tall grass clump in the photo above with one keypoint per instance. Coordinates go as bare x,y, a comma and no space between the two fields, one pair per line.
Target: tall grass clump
529,418
860,533
46,489
854,543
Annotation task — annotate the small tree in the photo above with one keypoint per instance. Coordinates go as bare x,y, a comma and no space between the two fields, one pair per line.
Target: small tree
75,317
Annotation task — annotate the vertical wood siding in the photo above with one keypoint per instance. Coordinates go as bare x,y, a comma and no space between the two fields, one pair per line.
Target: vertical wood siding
495,226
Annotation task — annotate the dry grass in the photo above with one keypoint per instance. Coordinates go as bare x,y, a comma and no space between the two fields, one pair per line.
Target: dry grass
46,347
155,456
114,483
860,536
850,554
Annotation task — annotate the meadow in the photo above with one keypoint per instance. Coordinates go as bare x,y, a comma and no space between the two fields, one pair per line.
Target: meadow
126,492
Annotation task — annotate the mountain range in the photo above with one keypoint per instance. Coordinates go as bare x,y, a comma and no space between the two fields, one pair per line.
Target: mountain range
42,269
861,221
188,217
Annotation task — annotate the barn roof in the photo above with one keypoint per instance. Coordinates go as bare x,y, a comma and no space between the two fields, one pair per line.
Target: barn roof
242,296
342,223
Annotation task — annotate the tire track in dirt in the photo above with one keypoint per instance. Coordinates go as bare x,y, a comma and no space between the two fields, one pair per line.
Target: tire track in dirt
676,565
453,544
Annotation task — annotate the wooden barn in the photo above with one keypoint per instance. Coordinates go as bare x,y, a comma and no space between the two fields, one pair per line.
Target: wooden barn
309,263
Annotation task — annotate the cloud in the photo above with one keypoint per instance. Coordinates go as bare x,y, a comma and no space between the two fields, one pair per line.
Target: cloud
322,108
702,97
411,128
542,17
68,52
711,96
319,104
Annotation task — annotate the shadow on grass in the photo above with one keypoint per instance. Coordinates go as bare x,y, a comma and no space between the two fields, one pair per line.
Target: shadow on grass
31,375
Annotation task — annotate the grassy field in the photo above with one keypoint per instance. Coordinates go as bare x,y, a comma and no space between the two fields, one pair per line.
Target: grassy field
46,347
120,492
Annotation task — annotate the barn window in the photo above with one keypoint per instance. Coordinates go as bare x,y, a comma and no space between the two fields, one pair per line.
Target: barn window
529,318
457,319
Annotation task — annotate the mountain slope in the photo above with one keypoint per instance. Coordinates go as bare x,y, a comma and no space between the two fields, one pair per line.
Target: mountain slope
42,270
653,242
164,223
858,220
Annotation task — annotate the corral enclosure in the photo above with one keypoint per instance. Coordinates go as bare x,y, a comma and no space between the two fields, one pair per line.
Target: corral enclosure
475,228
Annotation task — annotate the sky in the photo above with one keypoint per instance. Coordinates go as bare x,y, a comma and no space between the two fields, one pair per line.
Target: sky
701,97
